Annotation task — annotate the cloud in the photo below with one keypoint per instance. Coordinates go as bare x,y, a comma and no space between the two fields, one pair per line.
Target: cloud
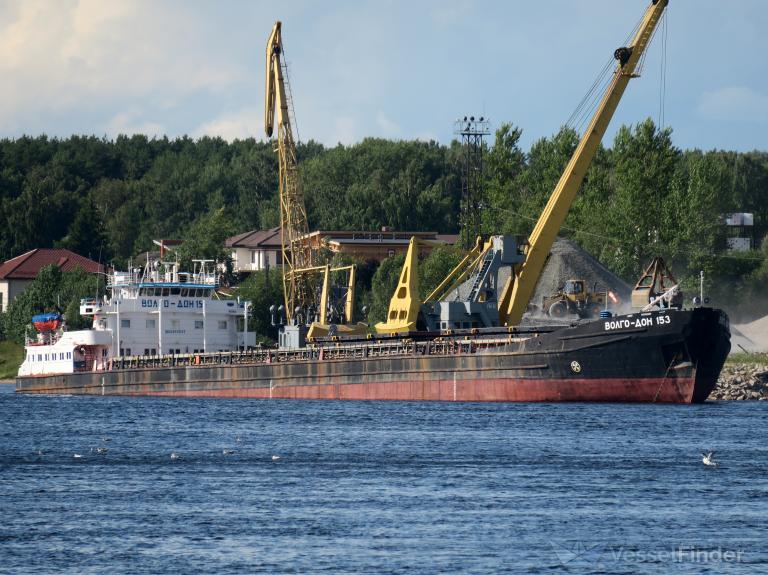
69,55
734,103
245,123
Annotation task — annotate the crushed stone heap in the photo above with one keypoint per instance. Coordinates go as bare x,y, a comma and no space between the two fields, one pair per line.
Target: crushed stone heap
750,337
567,260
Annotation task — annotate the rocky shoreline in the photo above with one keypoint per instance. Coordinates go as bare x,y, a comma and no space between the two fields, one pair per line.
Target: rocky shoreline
742,381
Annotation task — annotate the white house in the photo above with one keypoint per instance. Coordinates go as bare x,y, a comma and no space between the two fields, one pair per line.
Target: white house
255,250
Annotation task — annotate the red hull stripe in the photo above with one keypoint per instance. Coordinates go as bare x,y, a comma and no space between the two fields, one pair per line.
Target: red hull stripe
669,390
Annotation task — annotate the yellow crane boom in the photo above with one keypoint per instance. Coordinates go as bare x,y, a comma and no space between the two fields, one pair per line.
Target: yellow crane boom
306,284
297,255
519,288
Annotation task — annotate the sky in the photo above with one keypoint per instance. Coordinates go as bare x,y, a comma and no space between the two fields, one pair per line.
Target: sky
394,69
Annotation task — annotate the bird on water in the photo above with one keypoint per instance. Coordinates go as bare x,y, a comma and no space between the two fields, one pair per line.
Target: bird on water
709,459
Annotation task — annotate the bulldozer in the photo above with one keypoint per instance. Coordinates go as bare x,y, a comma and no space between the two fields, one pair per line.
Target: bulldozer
573,298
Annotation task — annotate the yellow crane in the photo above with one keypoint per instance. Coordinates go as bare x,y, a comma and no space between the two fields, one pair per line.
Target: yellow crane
297,255
404,306
519,288
517,291
306,284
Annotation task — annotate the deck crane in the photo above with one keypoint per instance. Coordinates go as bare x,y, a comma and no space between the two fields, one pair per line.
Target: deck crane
513,298
519,288
297,255
306,284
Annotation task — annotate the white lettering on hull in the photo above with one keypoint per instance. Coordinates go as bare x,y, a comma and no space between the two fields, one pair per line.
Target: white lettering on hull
636,323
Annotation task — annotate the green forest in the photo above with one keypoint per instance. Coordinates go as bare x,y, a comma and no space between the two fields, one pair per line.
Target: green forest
642,196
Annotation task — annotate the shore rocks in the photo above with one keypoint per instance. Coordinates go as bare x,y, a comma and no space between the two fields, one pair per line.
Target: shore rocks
742,381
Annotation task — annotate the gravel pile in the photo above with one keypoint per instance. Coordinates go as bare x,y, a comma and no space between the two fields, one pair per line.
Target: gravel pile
569,261
742,381
566,261
750,337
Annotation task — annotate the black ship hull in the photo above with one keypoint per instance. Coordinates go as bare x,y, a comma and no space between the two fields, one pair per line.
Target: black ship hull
663,356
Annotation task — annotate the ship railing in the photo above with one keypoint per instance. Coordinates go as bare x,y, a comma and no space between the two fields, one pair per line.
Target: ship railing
123,279
261,355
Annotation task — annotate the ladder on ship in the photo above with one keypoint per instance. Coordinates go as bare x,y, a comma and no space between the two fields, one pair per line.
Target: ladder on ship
482,275
88,358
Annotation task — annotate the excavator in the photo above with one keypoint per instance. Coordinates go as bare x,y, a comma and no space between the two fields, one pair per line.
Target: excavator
310,309
524,260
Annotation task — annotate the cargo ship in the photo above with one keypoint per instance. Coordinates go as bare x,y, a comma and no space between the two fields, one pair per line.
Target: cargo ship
665,356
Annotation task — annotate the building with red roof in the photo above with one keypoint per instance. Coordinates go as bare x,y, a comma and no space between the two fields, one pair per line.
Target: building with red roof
17,273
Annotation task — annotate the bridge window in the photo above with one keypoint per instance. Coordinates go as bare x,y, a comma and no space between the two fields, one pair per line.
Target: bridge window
125,323
150,323
222,324
198,324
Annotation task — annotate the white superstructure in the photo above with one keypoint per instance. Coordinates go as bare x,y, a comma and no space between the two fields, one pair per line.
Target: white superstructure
152,311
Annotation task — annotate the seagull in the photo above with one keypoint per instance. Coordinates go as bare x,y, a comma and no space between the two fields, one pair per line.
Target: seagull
105,439
708,459
40,452
238,439
228,451
175,456
101,450
77,456
275,458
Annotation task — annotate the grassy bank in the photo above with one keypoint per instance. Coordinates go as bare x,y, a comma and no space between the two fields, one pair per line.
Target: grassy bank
748,358
11,356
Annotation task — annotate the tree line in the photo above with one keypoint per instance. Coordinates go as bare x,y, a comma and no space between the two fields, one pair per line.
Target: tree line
642,196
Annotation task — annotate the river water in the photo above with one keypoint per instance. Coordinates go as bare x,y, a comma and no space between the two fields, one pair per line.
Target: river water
379,487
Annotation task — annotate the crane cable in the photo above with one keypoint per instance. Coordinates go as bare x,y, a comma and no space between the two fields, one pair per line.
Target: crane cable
585,109
291,111
663,72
